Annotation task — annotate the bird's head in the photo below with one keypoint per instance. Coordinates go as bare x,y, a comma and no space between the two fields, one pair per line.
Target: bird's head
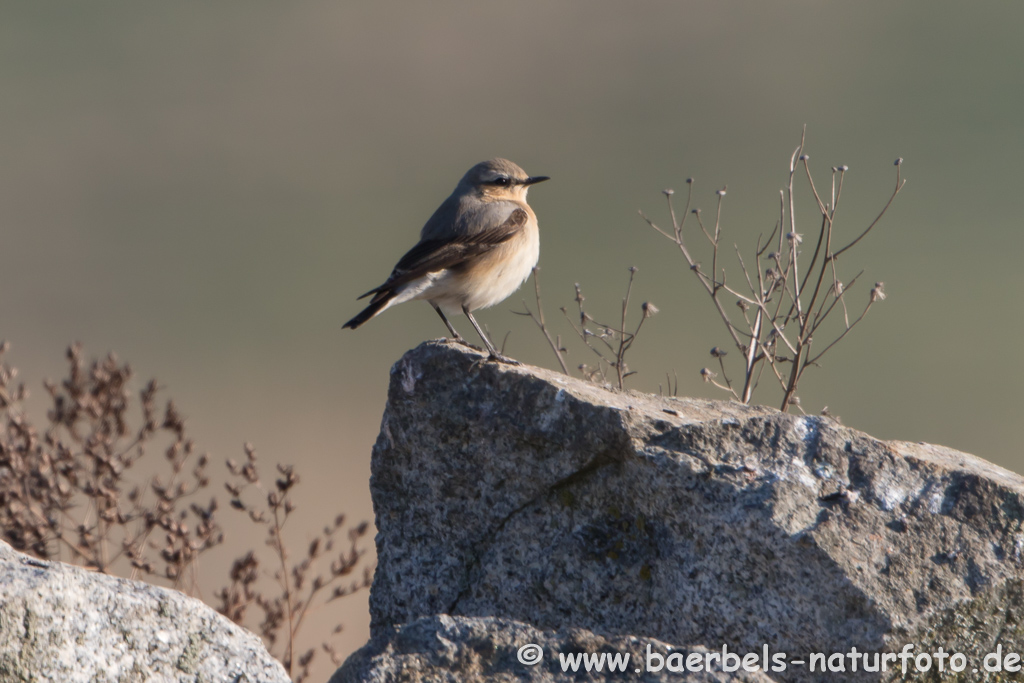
499,179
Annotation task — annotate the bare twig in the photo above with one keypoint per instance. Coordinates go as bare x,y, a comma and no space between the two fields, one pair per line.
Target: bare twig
296,595
788,293
68,493
538,320
615,342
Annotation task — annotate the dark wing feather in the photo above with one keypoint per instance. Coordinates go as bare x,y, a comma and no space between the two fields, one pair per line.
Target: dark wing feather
430,256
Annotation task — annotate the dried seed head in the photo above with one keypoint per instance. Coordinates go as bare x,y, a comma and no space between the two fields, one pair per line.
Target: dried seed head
689,181
668,192
878,292
718,353
721,193
898,162
805,157
649,309
742,305
794,238
844,168
707,375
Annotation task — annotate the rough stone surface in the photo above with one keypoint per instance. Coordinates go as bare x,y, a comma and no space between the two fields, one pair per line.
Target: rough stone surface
521,494
62,623
459,649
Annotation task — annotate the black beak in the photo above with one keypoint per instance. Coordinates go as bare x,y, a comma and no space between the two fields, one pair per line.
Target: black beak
535,179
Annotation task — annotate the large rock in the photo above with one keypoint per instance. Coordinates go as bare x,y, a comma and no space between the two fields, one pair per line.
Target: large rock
524,495
62,623
460,649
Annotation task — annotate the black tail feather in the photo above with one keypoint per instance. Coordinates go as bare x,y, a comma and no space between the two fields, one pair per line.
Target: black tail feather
368,312
372,291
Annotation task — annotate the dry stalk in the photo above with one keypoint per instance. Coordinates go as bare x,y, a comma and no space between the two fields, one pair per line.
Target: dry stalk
325,573
68,494
538,319
786,299
609,343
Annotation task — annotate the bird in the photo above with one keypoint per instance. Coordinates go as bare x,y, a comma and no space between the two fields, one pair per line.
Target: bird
476,249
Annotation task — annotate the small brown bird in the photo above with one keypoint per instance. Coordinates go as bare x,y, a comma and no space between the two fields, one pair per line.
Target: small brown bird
477,248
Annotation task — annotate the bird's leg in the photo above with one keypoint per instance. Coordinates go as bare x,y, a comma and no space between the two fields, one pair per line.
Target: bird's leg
456,337
495,356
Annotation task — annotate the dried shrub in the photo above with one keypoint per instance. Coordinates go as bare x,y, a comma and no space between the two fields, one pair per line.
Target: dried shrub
325,572
609,343
784,299
72,493
69,493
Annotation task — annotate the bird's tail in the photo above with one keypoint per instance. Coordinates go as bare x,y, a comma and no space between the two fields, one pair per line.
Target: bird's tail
379,303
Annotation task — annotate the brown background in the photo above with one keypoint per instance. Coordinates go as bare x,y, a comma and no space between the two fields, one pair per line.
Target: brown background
205,188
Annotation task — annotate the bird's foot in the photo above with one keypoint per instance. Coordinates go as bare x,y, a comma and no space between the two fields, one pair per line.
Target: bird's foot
463,342
493,358
498,358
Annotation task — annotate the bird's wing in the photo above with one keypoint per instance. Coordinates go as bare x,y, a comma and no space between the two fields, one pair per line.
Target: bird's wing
432,255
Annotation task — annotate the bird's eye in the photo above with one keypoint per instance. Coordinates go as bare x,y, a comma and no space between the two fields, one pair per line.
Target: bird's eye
501,180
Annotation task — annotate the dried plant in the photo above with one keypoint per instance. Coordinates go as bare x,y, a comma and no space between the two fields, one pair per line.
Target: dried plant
787,298
323,574
609,343
538,318
68,493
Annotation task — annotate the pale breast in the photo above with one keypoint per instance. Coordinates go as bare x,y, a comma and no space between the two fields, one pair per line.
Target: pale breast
500,273
488,279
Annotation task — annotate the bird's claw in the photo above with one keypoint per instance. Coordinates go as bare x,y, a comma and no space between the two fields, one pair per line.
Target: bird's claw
463,342
493,358
498,358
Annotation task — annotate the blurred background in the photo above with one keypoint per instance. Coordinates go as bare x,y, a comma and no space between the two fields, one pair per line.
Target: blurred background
205,189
